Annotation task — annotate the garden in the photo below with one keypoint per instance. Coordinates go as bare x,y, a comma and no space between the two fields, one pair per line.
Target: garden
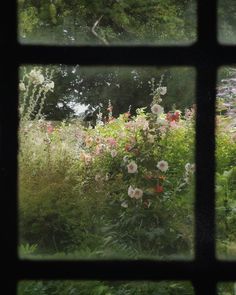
108,185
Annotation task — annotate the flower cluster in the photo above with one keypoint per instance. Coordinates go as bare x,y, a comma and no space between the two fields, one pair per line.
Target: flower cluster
132,149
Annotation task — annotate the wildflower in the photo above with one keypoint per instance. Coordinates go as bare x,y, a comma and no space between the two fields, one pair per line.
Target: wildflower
173,117
132,167
113,153
142,123
157,109
190,168
131,191
49,86
138,193
187,166
36,77
162,90
22,86
163,166
99,149
112,142
173,124
50,128
124,204
159,189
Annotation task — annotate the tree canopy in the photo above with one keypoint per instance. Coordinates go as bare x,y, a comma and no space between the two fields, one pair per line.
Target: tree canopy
107,21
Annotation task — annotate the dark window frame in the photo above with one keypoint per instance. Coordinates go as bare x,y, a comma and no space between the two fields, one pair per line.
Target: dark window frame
206,55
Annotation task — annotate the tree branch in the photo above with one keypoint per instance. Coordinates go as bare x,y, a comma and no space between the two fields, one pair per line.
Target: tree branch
103,40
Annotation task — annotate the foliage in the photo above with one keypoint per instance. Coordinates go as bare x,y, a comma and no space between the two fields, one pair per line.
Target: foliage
71,22
104,288
123,86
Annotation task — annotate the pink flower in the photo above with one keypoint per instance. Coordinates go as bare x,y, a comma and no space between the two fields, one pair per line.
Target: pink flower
112,142
50,129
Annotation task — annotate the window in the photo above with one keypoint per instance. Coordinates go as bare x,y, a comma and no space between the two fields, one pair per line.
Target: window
206,55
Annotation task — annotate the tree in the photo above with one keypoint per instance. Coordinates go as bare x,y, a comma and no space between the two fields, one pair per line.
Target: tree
106,21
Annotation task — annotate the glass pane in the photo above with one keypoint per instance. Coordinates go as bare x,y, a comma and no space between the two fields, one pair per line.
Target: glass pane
226,288
106,162
226,163
227,21
103,288
69,22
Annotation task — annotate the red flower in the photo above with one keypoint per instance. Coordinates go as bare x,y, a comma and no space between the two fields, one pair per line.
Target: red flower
173,116
159,189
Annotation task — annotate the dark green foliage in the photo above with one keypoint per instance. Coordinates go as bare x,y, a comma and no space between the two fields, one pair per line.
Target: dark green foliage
104,288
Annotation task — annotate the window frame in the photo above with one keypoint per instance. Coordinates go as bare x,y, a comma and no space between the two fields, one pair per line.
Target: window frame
206,55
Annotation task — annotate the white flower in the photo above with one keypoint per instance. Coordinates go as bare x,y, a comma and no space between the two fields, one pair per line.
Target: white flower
157,109
131,191
142,123
124,204
190,168
162,90
135,193
49,86
113,153
138,193
163,166
132,167
187,167
22,86
36,77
